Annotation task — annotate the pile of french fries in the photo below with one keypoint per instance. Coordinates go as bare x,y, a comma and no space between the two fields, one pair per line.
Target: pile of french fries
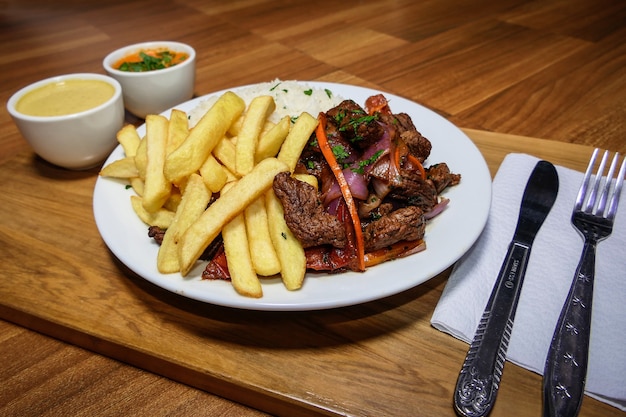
235,152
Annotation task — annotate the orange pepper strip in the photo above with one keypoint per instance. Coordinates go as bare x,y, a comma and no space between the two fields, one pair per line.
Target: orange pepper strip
322,140
417,162
396,156
394,251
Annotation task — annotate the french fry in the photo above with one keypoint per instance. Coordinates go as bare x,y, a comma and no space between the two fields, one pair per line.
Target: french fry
192,205
141,158
137,184
242,275
236,247
264,258
182,183
178,130
296,140
156,187
225,152
173,200
202,232
213,174
161,217
308,178
267,126
271,141
288,248
258,111
230,177
235,127
209,130
128,137
122,168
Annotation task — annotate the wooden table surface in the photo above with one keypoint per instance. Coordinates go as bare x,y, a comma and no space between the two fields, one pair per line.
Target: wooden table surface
83,335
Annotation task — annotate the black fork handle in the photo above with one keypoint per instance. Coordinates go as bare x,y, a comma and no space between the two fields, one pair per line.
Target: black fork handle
566,364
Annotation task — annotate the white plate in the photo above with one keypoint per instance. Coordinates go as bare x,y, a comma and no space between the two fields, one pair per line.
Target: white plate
448,236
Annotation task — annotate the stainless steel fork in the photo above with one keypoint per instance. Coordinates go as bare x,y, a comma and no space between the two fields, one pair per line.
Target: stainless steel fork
566,365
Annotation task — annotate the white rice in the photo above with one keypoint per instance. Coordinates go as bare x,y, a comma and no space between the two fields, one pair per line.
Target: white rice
292,98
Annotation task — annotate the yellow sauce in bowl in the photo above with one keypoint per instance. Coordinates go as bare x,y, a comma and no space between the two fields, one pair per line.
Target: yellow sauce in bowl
65,97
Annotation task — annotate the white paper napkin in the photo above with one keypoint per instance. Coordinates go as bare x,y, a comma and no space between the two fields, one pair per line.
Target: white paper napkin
553,260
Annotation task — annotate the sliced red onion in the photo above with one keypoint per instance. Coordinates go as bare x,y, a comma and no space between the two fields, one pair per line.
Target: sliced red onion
381,147
333,193
381,188
332,206
357,184
419,248
437,208
370,204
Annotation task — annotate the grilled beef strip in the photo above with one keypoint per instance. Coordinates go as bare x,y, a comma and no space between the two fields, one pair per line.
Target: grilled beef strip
441,176
305,215
156,233
406,223
419,146
354,124
407,186
410,188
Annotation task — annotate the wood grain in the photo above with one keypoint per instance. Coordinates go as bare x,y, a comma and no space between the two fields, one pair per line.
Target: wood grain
506,71
59,379
283,363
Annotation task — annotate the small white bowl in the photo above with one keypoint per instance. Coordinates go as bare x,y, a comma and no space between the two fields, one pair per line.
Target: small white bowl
79,140
152,92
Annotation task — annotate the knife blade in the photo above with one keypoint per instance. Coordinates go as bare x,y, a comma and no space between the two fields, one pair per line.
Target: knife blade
479,378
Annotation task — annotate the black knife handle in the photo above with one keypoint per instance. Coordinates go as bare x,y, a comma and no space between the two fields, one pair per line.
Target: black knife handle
479,379
566,364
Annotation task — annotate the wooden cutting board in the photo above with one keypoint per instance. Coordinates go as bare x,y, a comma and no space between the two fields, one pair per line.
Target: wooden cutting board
377,359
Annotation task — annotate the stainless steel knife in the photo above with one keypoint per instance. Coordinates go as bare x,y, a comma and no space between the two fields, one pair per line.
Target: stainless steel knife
479,379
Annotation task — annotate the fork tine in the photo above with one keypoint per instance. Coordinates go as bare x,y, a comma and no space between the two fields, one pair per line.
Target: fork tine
583,188
619,182
607,186
591,201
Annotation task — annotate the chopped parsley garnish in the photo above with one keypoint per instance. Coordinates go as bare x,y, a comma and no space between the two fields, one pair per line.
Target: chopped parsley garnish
368,161
340,116
354,123
375,215
340,152
308,92
161,60
328,93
